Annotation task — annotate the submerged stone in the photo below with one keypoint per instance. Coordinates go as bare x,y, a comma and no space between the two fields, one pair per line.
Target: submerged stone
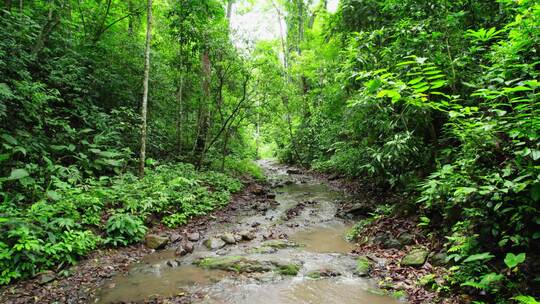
323,273
280,244
235,263
415,258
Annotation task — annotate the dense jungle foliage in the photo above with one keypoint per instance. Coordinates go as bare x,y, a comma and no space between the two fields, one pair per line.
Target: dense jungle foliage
436,100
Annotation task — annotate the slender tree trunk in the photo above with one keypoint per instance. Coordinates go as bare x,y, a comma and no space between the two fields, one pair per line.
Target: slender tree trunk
145,88
53,19
179,113
7,4
229,9
130,20
200,144
224,151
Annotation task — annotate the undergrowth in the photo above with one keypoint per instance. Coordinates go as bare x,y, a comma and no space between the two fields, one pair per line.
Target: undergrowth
54,232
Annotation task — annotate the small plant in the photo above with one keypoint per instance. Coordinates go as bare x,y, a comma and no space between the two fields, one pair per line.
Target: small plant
124,229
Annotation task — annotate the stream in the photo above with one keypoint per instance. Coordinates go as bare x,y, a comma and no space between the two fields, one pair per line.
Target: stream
300,230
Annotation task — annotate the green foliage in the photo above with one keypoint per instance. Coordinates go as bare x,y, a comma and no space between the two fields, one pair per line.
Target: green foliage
123,229
58,230
439,100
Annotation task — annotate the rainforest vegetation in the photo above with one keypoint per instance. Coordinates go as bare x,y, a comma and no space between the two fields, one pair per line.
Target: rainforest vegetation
119,115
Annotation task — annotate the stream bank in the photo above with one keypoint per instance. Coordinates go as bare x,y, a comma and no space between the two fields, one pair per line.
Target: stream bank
275,243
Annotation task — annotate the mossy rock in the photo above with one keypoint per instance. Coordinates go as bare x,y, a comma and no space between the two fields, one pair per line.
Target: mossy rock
262,249
234,263
154,241
415,258
280,244
363,265
288,269
323,273
314,275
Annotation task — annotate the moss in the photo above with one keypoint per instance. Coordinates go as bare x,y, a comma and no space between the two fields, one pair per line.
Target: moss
362,266
288,269
314,275
398,294
234,263
280,244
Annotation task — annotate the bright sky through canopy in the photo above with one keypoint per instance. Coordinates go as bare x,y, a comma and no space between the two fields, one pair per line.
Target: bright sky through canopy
260,21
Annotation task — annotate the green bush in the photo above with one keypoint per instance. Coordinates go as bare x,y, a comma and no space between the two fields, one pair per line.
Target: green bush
123,229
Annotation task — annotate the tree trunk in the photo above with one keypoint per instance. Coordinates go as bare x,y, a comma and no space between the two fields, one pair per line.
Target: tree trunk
130,20
179,113
224,151
229,9
7,5
145,88
200,144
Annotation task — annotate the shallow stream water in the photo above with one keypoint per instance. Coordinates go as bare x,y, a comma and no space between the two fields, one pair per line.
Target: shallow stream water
314,227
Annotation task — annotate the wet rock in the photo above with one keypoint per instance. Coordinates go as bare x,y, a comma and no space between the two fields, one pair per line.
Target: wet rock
223,251
175,237
261,206
290,269
265,277
271,196
262,250
294,171
184,249
280,244
214,243
46,277
228,238
323,273
172,263
235,263
363,266
255,224
392,243
406,239
154,241
415,258
194,236
247,235
258,190
439,259
355,210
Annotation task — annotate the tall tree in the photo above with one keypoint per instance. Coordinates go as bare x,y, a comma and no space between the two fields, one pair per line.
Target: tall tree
145,88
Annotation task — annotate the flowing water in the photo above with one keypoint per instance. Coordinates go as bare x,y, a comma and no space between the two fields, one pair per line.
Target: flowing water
323,250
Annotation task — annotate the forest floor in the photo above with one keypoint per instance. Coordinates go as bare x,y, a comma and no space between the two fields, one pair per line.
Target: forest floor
277,242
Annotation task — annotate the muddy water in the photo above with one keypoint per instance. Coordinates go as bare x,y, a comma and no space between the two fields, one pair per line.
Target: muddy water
313,225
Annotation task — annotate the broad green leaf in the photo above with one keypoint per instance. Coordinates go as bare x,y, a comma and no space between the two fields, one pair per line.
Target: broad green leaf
511,260
415,80
479,257
526,299
18,174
